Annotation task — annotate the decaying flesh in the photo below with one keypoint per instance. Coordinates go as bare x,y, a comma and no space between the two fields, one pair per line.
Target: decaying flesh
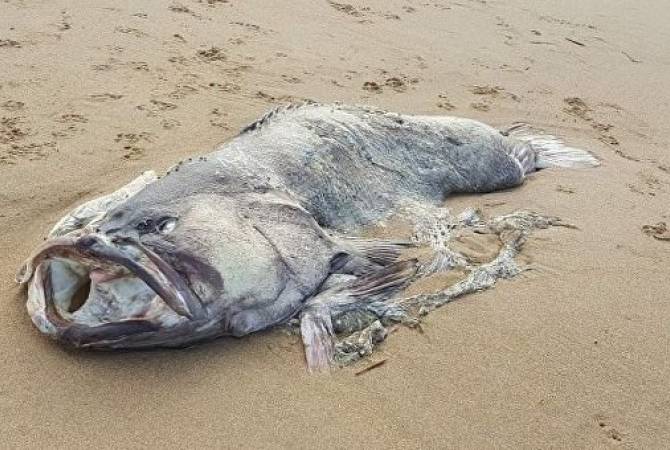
266,230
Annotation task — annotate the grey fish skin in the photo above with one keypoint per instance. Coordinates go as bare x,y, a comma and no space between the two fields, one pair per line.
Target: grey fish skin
251,229
348,166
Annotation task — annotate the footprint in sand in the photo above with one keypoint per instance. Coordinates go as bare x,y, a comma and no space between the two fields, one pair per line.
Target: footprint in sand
290,79
253,28
182,90
71,122
133,143
611,432
578,108
11,130
226,86
397,83
71,118
345,8
31,151
361,12
169,124
139,66
480,106
217,120
13,134
181,60
65,21
104,97
565,189
444,103
9,43
372,86
648,184
179,8
658,231
110,64
488,95
554,20
281,98
12,105
212,54
156,106
131,31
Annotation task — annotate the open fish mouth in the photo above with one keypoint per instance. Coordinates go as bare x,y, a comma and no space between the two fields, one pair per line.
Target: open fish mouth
90,289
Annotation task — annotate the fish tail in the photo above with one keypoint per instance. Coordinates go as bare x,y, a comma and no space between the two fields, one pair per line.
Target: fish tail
541,151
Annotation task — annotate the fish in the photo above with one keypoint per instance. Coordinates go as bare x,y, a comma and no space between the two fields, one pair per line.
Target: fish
266,230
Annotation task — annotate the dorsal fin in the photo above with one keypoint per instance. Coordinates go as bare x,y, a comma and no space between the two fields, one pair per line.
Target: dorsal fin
274,112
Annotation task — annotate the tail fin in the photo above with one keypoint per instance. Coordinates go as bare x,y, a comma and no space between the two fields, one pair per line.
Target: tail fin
550,150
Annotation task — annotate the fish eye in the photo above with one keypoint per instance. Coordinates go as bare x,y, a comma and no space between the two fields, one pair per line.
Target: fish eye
166,225
146,226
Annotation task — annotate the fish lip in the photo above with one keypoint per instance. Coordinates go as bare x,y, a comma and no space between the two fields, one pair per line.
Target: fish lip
161,278
79,335
158,275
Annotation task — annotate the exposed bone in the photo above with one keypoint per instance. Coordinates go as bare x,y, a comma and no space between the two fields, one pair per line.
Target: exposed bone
512,229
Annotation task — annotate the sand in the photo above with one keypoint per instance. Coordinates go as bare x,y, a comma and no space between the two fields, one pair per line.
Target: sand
573,354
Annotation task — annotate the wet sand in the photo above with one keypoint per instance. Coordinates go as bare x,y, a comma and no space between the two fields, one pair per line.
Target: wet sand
573,354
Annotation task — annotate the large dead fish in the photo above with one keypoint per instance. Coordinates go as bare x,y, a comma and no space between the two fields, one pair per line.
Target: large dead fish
260,232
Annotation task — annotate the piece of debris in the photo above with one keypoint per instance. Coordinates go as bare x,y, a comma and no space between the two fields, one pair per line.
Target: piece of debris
630,58
575,42
371,367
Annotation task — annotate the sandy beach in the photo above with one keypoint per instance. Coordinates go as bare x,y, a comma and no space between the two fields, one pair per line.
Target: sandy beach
572,354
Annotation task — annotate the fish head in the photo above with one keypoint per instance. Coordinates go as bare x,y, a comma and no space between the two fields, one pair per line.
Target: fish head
149,273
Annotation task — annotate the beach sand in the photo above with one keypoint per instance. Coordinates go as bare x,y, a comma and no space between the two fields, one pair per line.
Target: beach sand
572,354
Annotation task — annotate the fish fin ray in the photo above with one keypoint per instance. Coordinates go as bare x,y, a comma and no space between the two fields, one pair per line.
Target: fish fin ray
360,256
318,337
379,251
385,280
545,150
371,286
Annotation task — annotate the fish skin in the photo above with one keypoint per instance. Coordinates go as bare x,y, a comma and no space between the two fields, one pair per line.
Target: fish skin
347,166
254,226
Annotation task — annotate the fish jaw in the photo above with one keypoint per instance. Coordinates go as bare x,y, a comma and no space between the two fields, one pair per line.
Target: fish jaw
157,274
166,303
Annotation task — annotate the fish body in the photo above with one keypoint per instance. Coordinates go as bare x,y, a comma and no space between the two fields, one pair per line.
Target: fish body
258,231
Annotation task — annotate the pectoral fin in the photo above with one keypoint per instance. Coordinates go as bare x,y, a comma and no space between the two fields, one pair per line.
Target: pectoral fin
384,280
364,256
318,338
316,319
